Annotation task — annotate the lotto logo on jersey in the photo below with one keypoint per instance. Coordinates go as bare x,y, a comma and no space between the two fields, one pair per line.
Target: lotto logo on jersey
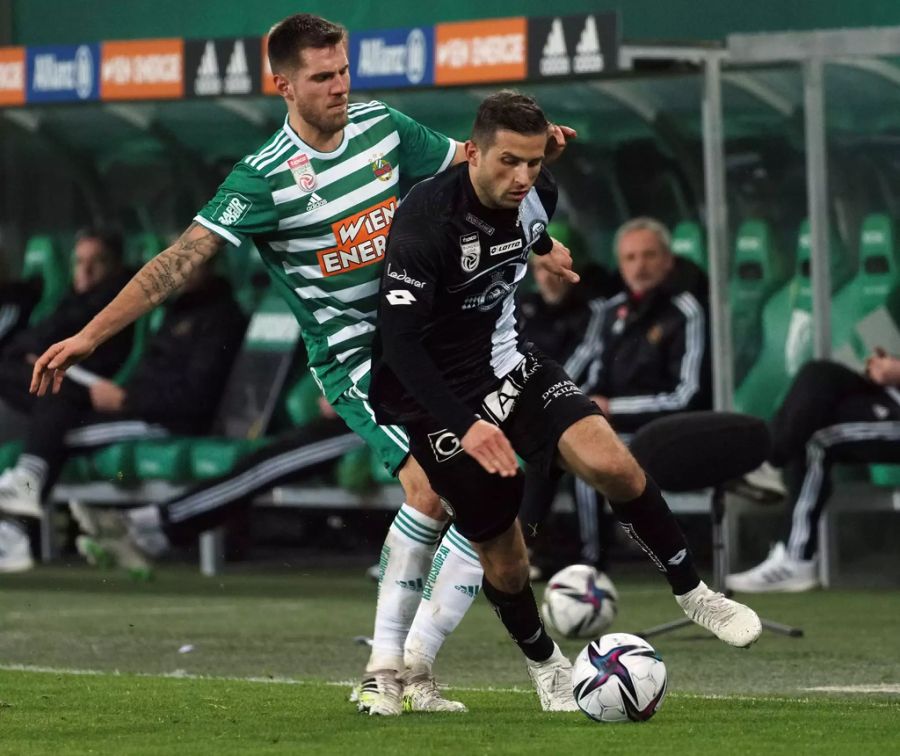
236,206
361,238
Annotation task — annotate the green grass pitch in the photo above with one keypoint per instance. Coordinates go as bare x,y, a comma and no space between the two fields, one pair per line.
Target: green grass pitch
256,662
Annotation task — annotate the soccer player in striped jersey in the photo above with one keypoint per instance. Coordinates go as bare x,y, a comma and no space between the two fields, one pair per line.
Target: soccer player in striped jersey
318,199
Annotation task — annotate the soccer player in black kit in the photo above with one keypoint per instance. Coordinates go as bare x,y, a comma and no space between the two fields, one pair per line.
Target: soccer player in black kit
450,366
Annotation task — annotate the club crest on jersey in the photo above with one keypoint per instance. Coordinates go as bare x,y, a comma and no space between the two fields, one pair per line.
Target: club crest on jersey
382,169
302,170
470,247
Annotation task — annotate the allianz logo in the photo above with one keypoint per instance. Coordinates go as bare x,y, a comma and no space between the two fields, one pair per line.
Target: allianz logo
54,75
401,276
409,59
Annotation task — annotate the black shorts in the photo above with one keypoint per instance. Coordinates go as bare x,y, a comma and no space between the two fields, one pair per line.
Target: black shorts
533,405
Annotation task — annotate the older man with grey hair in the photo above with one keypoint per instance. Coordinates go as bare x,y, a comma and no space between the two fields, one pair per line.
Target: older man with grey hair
653,358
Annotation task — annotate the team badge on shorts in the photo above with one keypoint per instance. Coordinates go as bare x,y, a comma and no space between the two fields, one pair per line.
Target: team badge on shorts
303,172
444,445
382,169
470,247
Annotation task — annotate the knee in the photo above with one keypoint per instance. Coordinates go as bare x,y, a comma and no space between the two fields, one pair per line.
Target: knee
421,497
510,575
617,476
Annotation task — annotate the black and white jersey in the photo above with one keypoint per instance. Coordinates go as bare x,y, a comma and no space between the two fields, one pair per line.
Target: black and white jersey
446,317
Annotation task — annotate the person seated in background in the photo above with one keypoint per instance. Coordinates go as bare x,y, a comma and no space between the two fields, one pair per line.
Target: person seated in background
134,538
652,357
17,300
97,275
175,389
830,414
562,320
648,357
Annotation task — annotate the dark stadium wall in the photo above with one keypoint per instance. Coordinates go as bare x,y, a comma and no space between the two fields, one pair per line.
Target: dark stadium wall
52,21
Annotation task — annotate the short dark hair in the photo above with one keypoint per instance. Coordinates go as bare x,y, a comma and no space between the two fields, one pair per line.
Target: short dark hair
510,110
110,238
291,36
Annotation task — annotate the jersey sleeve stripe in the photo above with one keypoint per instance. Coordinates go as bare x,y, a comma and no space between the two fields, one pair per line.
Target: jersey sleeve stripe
227,235
451,152
267,161
276,143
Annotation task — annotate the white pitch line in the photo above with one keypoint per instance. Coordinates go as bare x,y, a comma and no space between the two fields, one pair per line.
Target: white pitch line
180,674
877,688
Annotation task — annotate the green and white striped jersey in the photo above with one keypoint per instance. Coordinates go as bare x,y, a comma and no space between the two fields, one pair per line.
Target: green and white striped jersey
320,222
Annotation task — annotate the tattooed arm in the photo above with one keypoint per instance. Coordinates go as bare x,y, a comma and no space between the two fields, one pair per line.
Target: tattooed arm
150,286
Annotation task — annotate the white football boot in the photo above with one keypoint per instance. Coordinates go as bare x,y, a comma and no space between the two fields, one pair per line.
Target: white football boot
421,693
729,621
552,680
381,694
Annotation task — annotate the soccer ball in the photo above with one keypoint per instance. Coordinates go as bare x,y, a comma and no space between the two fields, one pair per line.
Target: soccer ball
619,678
579,602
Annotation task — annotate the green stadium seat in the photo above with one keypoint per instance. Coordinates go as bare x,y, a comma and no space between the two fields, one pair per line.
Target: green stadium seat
44,259
866,312
787,331
114,463
248,275
758,271
142,247
9,453
688,242
301,401
354,471
212,457
163,459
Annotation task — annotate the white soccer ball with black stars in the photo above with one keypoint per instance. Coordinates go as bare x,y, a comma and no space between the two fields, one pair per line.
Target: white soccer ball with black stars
580,602
619,678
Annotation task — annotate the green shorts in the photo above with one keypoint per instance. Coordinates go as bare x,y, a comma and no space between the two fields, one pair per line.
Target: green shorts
389,442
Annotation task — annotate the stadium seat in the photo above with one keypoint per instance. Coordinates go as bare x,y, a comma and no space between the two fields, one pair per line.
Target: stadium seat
44,259
248,275
141,247
114,463
163,459
211,457
758,271
787,331
688,242
866,312
9,453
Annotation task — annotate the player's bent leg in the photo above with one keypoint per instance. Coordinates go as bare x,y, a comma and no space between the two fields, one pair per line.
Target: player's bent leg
508,588
591,450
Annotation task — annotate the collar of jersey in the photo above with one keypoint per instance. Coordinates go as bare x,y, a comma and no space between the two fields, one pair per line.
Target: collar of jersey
295,138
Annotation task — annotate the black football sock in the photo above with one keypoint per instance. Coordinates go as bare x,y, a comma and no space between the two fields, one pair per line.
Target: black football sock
651,524
519,614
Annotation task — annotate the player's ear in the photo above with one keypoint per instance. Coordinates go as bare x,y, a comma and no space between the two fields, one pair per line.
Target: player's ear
283,86
472,152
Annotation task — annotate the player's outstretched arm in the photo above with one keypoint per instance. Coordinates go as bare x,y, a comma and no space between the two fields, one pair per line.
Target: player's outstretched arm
149,287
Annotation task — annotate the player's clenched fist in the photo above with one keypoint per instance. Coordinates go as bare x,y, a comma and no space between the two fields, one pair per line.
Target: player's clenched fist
490,447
